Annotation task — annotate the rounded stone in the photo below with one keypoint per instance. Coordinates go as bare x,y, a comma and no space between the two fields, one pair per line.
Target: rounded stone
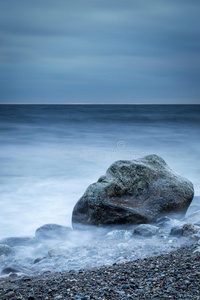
133,192
9,270
52,231
176,231
118,234
146,230
18,241
5,250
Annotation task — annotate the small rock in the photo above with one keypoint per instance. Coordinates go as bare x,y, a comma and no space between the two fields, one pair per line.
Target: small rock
18,241
54,252
196,236
9,270
10,294
197,250
163,221
25,278
125,286
188,229
13,276
5,250
146,230
37,260
52,231
118,234
176,231
31,297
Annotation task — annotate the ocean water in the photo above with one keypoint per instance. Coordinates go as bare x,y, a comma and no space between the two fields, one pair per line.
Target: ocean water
49,154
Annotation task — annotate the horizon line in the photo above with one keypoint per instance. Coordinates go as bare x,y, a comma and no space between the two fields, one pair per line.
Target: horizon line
99,103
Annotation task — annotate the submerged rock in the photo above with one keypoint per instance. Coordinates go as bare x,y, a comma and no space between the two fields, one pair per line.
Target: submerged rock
52,231
9,270
5,250
133,192
118,234
187,229
176,231
18,241
146,230
163,221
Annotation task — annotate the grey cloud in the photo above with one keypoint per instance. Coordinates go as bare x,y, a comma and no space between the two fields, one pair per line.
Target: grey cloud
99,50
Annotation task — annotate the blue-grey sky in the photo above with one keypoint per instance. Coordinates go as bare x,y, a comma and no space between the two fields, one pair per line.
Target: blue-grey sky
100,51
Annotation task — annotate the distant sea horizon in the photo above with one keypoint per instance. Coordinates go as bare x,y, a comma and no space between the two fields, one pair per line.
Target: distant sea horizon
163,104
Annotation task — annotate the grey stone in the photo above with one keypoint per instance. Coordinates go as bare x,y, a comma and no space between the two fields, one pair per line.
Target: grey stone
118,234
163,221
31,297
9,270
197,250
5,250
55,252
146,230
133,192
176,231
37,260
18,241
52,231
196,236
188,229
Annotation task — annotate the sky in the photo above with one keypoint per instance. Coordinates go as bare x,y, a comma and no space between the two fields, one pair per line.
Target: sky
100,51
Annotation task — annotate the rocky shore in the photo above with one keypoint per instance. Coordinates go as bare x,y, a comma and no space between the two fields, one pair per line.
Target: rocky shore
169,276
130,239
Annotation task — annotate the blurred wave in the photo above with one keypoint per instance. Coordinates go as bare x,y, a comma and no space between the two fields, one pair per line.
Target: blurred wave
49,154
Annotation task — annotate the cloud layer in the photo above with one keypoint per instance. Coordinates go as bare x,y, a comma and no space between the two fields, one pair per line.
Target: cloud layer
97,51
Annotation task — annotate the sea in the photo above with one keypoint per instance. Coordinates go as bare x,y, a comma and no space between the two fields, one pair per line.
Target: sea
49,154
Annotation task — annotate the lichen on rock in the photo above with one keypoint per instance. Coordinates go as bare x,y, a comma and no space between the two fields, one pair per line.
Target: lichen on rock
133,192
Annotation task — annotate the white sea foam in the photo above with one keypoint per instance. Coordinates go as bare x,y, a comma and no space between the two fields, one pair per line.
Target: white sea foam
49,157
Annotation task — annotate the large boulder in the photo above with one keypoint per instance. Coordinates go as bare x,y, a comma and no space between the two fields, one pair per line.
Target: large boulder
133,192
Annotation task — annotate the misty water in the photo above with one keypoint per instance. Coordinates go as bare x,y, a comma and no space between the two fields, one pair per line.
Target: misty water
49,154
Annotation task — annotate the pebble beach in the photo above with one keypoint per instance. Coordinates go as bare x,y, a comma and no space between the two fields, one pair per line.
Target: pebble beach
175,275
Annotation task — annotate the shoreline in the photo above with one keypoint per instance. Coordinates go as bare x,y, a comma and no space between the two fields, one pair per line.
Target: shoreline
175,275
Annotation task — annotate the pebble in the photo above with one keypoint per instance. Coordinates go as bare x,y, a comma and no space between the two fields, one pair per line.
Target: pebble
168,276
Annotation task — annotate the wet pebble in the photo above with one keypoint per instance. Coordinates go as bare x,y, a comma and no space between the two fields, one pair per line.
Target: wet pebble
169,276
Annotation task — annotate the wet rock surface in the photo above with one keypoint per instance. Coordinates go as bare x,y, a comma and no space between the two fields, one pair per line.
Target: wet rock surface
187,229
118,234
97,249
87,249
5,250
170,276
52,231
133,192
146,230
18,241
